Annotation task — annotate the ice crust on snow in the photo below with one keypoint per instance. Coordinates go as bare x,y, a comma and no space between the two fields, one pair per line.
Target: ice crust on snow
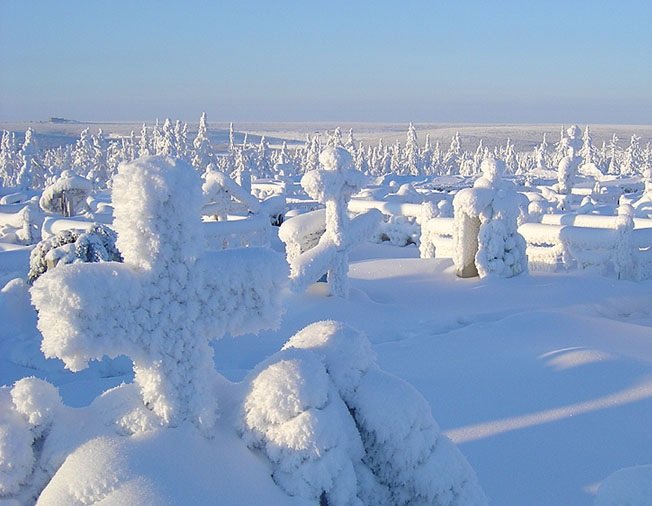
168,299
333,424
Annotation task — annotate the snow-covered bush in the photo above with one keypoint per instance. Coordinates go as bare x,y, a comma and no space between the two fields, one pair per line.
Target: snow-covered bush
163,304
486,221
26,413
71,246
67,195
336,427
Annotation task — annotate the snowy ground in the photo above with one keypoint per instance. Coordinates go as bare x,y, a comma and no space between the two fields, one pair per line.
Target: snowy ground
544,381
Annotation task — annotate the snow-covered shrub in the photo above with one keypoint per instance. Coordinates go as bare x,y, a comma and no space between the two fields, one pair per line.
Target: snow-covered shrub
398,230
486,222
163,304
71,246
26,413
334,426
294,413
333,186
67,195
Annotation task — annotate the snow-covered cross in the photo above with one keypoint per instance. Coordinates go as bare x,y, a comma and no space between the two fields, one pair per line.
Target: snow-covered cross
169,298
334,187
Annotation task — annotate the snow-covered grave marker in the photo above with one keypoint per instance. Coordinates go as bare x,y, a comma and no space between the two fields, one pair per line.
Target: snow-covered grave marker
160,307
333,186
220,190
486,221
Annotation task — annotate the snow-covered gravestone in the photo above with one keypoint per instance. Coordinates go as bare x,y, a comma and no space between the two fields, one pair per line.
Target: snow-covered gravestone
334,186
163,304
486,222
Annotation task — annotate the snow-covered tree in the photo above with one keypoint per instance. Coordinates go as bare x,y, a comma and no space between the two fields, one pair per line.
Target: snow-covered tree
203,154
451,160
412,161
73,246
27,155
144,142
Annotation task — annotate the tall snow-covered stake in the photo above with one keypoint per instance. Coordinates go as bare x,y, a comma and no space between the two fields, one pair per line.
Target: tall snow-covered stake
160,307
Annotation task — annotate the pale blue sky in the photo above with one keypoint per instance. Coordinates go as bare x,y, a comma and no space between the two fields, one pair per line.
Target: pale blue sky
422,61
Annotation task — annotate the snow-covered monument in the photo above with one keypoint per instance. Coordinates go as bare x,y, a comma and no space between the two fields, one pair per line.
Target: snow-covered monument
486,239
333,186
166,301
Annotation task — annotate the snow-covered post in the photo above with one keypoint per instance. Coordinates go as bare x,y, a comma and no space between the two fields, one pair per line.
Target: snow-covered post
166,301
486,222
623,260
334,186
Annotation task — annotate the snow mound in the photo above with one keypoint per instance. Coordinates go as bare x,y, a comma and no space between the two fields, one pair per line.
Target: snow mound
336,427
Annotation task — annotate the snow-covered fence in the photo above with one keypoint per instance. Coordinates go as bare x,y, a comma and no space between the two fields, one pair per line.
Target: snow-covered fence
621,243
237,233
302,232
437,238
544,247
20,227
53,225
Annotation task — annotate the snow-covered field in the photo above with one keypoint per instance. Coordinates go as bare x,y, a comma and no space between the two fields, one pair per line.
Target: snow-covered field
542,380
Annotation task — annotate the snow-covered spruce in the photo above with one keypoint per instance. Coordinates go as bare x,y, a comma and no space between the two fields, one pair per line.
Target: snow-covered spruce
486,222
72,246
67,195
160,307
336,427
334,186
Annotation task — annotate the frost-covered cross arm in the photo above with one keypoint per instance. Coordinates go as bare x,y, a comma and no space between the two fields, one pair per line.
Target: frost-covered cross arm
84,311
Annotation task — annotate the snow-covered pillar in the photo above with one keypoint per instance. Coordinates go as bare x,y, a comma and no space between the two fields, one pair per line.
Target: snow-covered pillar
623,261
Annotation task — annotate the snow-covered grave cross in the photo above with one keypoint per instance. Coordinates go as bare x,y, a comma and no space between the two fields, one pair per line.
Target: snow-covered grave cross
334,187
220,190
169,298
